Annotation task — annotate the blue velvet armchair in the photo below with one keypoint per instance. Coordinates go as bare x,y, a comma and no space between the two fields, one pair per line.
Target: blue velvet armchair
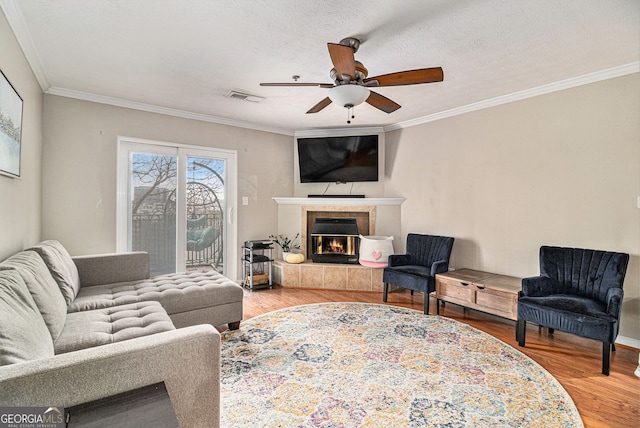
578,291
426,255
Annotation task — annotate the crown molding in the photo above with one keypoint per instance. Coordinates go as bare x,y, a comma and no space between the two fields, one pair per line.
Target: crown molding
120,102
22,35
339,132
585,79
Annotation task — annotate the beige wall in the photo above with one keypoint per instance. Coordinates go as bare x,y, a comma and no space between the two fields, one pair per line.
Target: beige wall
79,190
20,206
559,169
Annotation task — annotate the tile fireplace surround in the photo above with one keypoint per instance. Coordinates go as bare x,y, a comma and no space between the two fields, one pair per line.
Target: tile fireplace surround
376,216
333,276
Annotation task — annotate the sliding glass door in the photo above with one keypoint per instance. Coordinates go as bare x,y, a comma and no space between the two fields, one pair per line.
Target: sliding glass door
151,207
178,204
206,211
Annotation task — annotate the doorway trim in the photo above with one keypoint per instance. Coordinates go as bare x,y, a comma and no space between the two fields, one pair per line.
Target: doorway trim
125,144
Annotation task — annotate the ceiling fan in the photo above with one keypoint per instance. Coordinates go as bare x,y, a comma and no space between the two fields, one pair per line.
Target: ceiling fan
351,84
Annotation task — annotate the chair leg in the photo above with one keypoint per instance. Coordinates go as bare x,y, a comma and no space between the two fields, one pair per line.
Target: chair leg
385,292
551,330
412,292
521,331
426,303
613,347
606,357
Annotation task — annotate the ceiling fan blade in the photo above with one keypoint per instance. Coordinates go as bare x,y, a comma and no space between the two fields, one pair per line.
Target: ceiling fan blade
383,103
342,59
320,85
322,104
410,77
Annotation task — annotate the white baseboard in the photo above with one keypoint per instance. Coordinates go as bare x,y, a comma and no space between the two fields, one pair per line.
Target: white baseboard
628,341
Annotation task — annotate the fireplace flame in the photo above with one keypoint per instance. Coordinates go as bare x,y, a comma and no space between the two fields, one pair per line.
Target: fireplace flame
335,246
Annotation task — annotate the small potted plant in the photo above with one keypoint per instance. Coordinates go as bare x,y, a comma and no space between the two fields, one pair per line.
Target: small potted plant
286,244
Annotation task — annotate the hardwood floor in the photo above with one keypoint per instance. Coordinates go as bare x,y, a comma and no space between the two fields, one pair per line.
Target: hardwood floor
603,401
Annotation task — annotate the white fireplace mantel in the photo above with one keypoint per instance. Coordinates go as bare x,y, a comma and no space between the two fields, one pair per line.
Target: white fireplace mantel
328,201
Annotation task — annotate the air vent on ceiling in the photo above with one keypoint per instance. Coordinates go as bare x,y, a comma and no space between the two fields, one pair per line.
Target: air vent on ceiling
244,97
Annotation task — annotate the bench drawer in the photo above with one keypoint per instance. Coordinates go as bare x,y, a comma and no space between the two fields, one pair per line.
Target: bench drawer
497,302
454,291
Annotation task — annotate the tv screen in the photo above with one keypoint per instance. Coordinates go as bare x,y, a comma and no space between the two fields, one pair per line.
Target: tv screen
338,159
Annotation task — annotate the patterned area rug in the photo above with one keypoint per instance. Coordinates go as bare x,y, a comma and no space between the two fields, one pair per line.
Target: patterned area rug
366,365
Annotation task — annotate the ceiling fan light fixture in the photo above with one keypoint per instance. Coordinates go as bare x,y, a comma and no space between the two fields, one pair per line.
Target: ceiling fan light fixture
349,95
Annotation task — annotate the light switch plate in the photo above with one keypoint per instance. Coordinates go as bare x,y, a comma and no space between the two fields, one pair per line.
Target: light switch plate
245,200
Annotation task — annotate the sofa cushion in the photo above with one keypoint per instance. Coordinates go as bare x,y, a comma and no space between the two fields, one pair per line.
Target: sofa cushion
177,292
102,326
23,333
61,266
43,288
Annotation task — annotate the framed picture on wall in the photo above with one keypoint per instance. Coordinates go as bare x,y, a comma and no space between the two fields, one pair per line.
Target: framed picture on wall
10,128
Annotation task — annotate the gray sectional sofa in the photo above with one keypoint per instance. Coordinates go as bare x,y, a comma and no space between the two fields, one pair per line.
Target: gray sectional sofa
73,330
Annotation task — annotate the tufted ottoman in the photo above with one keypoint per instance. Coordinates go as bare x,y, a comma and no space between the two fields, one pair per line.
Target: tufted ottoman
188,297
102,326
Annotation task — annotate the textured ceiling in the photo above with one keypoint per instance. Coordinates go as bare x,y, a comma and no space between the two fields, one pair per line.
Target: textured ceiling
187,55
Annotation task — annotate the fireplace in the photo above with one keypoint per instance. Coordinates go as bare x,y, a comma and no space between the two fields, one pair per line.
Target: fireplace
334,240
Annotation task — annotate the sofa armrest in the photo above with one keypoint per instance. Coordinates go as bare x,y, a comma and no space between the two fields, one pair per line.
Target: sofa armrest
538,286
187,360
112,268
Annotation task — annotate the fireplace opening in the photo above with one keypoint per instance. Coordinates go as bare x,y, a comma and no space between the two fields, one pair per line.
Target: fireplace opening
334,240
334,244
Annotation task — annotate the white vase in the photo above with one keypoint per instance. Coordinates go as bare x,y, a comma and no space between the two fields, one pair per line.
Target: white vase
285,254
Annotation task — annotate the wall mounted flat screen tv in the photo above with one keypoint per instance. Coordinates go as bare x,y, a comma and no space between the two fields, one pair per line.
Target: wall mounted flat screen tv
338,159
